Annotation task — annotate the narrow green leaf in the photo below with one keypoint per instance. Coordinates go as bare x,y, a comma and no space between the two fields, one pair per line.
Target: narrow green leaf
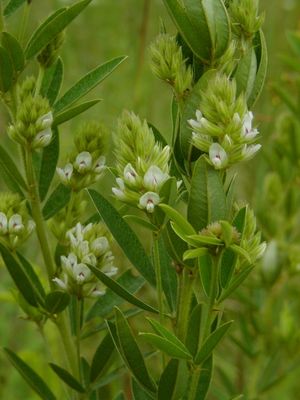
194,253
19,277
203,239
205,265
87,83
53,25
30,376
236,282
49,160
205,379
101,357
57,301
211,342
260,47
124,236
34,279
228,263
207,201
6,70
138,392
130,352
166,346
9,167
120,291
193,332
14,49
165,333
58,199
52,81
241,252
12,6
66,377
140,221
174,244
105,304
72,112
167,382
245,74
179,219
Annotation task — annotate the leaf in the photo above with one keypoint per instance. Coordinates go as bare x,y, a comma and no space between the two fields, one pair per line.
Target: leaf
236,282
124,236
30,376
262,58
228,263
168,276
66,377
58,199
105,304
49,160
167,382
6,70
245,74
101,357
140,221
211,342
205,265
207,200
197,240
52,26
174,244
14,49
10,169
19,277
72,112
194,253
52,81
129,351
120,291
34,279
165,333
57,301
12,6
205,379
179,219
166,346
193,332
87,83
138,392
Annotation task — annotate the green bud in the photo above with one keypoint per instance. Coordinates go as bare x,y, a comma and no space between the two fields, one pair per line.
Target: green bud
15,222
251,240
168,64
27,88
85,165
49,54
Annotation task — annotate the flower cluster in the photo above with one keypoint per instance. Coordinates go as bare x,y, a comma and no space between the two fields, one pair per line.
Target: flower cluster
223,128
142,164
15,224
168,64
87,163
251,240
88,245
33,123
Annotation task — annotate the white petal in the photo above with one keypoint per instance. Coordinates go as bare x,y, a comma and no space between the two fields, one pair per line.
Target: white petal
83,161
60,283
148,201
250,150
120,183
65,173
194,124
42,139
15,224
99,165
99,246
3,223
154,178
118,193
218,156
130,174
111,272
199,115
30,226
81,273
46,120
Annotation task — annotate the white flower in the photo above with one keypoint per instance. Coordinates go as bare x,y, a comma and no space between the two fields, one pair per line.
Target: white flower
99,165
154,178
89,259
83,161
46,120
196,124
65,173
148,201
130,174
119,192
3,223
250,150
248,133
68,263
60,283
81,273
30,226
42,139
218,156
15,224
96,293
112,271
99,246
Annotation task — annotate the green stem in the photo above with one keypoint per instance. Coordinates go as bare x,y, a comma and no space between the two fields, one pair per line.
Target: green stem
39,80
185,297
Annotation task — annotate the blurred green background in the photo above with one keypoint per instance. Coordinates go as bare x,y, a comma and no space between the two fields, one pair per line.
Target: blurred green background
109,28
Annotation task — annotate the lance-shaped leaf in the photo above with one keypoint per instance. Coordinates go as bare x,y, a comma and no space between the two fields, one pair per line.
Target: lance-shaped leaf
193,332
57,301
205,379
52,81
205,266
72,112
245,74
12,6
87,83
124,236
139,393
14,49
167,382
49,160
105,304
140,221
120,291
211,342
101,357
166,346
207,201
10,169
130,352
58,199
194,253
66,377
30,376
53,25
236,282
179,219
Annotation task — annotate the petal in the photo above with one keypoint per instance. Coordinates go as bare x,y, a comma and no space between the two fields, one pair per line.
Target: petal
15,224
130,174
218,156
3,223
154,178
99,165
83,161
148,201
